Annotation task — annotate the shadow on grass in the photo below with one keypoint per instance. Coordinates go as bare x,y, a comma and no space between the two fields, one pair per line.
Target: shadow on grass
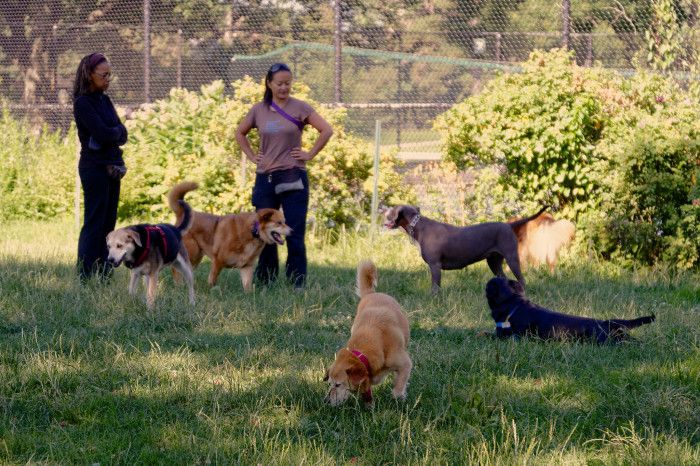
257,361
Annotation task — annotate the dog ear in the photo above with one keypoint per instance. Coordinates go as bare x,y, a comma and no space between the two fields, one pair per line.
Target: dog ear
134,237
517,287
357,373
266,216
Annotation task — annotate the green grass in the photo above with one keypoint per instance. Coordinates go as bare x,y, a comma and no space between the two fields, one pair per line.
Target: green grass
87,375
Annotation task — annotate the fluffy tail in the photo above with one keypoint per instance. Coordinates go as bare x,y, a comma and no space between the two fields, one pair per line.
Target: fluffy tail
176,201
366,278
632,323
515,225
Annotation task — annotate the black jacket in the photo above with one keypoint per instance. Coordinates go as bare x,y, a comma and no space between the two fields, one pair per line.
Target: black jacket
96,118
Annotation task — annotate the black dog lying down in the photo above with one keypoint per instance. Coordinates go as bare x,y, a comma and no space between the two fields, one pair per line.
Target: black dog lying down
515,315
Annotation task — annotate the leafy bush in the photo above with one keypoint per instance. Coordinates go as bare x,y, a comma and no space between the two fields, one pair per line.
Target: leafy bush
38,170
616,154
651,151
541,125
191,136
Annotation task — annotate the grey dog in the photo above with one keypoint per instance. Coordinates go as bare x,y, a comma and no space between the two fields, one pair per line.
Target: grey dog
448,247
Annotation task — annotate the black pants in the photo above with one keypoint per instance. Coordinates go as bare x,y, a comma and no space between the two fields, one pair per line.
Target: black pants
295,205
101,197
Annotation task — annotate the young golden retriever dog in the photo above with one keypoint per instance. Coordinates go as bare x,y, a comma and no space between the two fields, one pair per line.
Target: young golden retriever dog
541,240
234,240
146,249
377,345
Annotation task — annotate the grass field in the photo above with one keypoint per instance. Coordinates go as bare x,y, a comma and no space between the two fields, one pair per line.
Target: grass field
87,375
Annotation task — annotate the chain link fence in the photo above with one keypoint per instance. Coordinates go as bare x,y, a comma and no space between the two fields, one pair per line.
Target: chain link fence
401,62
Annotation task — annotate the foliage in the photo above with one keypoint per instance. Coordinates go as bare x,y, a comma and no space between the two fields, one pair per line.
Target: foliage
38,169
191,136
648,159
618,154
541,125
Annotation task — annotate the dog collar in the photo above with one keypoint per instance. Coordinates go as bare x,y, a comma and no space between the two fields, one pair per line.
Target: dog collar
256,230
412,225
506,323
367,394
144,253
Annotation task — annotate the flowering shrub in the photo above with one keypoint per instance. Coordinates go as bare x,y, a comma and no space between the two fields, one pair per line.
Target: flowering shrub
618,155
191,136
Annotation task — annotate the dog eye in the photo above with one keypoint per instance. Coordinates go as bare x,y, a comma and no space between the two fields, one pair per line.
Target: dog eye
337,385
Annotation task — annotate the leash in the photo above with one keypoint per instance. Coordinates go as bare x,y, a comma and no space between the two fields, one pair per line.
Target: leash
366,395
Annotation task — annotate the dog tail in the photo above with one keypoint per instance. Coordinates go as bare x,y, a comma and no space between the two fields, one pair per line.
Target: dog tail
177,193
366,278
632,323
518,223
176,201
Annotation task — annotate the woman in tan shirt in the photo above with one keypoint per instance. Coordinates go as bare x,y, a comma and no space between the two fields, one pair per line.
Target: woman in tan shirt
281,179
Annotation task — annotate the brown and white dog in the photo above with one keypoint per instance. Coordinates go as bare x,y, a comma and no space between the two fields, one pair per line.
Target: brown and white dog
377,345
541,239
449,247
234,240
146,249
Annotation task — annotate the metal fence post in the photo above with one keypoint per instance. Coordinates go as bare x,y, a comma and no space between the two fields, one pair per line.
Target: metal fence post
147,50
178,77
566,23
338,44
375,171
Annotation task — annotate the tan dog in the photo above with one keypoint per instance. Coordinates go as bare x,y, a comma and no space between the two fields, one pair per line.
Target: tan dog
377,346
540,240
234,240
146,249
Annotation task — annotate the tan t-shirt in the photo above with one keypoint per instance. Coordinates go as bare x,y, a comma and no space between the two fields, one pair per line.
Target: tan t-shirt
278,136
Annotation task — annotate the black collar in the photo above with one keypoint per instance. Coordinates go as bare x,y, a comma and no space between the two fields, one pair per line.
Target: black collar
255,231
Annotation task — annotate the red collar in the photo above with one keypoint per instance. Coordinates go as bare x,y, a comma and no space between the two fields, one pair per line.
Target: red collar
142,257
366,395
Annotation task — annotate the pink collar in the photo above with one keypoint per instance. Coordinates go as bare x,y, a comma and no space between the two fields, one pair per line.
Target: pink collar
367,395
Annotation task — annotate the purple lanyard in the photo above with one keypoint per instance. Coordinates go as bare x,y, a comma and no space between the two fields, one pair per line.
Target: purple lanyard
287,116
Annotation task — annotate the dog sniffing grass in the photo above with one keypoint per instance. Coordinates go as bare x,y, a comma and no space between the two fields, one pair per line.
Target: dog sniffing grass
86,376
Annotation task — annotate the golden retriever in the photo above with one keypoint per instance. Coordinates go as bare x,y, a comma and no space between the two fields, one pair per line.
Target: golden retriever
540,240
234,240
377,345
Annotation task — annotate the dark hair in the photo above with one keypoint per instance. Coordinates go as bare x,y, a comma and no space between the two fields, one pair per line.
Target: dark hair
275,68
87,65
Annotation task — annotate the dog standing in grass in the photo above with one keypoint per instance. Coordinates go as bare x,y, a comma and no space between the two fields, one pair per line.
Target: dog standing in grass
377,345
448,247
234,240
146,249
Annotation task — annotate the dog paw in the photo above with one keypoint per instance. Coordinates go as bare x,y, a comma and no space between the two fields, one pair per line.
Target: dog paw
401,396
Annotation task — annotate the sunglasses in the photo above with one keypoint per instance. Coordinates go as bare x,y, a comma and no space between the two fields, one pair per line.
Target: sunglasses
279,67
107,75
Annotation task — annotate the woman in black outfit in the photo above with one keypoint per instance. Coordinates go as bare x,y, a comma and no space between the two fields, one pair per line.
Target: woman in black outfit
101,165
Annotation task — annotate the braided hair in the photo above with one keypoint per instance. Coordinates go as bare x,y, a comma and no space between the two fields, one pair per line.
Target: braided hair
87,65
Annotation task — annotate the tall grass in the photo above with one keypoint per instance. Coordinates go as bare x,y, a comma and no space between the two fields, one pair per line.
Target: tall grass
87,375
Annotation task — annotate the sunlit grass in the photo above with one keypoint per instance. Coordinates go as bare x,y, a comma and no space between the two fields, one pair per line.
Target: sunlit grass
87,375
